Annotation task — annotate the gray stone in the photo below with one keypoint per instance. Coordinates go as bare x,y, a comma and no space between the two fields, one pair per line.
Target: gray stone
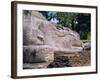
41,39
41,53
87,45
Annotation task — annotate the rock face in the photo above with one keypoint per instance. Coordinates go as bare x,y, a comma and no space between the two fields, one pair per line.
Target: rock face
41,39
38,54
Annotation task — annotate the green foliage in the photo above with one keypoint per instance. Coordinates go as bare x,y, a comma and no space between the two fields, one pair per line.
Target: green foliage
79,22
45,13
65,19
84,26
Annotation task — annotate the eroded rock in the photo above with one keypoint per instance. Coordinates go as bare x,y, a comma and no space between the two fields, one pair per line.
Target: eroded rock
35,54
38,32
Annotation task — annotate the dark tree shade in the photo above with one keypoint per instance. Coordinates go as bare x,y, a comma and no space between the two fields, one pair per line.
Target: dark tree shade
44,13
84,25
79,22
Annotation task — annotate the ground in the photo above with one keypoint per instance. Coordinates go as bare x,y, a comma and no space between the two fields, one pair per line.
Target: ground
64,60
80,59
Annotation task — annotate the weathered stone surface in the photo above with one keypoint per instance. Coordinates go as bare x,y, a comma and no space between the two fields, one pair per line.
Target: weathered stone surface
87,45
37,31
38,54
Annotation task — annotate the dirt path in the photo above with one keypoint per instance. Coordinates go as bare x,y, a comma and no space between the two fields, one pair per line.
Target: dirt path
81,59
